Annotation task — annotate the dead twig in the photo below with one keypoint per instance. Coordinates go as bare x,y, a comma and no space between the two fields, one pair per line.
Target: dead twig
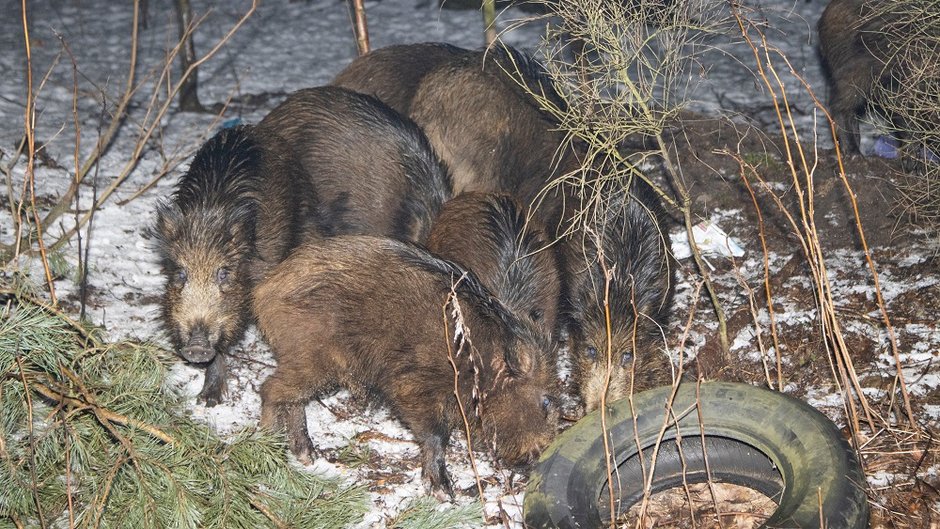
461,335
799,166
30,129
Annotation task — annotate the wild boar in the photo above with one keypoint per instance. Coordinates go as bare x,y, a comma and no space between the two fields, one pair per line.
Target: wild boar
627,242
392,74
376,316
373,170
239,209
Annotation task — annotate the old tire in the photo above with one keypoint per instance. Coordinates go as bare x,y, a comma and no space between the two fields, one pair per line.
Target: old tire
754,437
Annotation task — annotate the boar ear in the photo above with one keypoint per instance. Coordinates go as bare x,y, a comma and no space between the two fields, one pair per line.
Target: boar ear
519,357
243,219
167,225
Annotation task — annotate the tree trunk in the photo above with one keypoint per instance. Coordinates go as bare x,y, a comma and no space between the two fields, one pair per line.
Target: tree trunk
189,90
489,21
359,26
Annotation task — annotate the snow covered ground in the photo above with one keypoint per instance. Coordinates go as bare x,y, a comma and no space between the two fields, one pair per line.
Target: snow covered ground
282,47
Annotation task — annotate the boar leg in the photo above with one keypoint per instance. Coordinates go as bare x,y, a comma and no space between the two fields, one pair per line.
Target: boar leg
282,409
433,472
214,385
297,436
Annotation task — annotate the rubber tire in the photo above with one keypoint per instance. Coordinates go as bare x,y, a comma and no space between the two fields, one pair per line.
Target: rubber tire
754,437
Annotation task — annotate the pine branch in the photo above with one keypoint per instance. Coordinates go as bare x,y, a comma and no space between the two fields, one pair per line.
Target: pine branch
104,415
79,441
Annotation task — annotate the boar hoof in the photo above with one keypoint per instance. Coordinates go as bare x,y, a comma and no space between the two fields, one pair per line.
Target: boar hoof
211,397
214,385
472,491
303,449
438,483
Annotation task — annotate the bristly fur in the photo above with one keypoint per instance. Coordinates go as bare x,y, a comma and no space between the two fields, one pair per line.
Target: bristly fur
464,282
490,235
521,66
221,185
640,292
374,170
225,171
636,248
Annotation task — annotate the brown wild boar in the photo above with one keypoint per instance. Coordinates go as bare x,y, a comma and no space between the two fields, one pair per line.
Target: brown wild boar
485,126
495,137
239,209
489,235
373,169
368,314
392,74
630,244
855,55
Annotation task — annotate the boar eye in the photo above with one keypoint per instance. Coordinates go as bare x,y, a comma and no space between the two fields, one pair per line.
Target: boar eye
548,403
591,352
536,314
626,359
221,275
181,275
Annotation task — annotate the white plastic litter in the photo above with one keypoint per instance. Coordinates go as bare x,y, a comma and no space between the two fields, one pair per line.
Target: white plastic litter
711,240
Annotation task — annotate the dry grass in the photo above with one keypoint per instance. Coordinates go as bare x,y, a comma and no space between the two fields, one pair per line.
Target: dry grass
699,506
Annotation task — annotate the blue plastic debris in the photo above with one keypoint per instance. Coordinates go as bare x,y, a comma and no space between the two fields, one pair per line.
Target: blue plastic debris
886,147
230,123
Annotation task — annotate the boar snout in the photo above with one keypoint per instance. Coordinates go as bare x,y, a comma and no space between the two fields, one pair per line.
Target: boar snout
198,349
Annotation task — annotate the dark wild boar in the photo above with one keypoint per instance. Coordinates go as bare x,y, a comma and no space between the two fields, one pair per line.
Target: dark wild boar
879,58
239,209
485,126
489,235
392,74
854,53
373,170
634,250
368,314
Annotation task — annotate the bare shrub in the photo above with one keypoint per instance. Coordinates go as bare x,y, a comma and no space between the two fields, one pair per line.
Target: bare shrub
911,99
138,110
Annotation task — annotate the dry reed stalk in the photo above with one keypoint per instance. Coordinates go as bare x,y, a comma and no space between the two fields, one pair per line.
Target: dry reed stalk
30,130
708,468
647,474
360,28
489,21
32,440
189,88
464,339
605,432
778,355
752,308
802,173
879,296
